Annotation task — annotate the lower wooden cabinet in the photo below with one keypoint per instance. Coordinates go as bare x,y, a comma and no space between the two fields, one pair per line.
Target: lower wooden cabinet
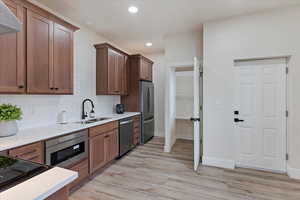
32,152
104,146
97,152
136,130
83,172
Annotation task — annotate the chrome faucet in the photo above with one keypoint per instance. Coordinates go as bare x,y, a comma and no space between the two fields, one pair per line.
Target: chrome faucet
84,114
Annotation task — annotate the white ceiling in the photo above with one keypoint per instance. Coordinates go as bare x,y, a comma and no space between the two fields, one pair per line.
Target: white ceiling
155,19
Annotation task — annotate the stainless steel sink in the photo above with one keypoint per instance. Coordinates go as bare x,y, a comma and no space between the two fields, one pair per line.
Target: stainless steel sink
90,121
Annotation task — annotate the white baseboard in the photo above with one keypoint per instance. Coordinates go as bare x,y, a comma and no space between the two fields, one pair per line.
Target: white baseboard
293,172
217,162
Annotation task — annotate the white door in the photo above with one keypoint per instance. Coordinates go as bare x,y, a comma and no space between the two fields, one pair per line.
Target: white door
196,117
260,122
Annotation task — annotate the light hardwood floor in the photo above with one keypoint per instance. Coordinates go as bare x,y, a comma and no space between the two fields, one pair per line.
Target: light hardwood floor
148,173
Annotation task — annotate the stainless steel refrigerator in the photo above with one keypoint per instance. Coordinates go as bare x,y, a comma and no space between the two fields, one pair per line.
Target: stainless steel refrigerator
147,110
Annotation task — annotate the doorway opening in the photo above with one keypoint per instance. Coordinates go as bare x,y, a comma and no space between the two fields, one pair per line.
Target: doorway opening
183,114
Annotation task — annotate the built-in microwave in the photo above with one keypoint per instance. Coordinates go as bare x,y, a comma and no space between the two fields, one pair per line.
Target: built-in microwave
67,150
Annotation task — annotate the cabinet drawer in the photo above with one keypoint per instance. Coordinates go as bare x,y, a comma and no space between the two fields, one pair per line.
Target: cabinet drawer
33,152
98,130
83,172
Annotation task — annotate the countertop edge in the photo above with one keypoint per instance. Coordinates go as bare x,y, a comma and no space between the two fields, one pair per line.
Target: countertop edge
23,138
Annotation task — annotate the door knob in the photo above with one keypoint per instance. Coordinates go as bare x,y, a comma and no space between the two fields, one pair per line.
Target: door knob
238,120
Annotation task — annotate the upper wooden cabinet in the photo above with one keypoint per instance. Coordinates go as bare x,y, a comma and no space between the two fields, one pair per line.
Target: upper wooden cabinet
39,54
12,55
111,71
144,65
63,59
39,59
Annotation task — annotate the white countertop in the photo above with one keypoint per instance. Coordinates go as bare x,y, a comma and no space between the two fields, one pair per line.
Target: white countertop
41,186
28,136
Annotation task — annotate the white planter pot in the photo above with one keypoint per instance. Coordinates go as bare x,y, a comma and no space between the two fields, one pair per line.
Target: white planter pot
8,128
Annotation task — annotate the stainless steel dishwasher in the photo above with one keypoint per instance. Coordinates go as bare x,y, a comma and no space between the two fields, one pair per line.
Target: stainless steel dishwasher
125,136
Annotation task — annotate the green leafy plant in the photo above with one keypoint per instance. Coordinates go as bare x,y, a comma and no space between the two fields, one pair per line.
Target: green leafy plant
10,112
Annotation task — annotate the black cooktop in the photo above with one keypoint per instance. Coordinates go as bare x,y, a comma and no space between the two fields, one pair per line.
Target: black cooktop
14,171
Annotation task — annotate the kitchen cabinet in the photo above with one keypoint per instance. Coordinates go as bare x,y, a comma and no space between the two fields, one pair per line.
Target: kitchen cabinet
33,152
39,54
83,172
145,67
140,70
104,145
39,59
111,71
49,56
63,59
12,55
136,130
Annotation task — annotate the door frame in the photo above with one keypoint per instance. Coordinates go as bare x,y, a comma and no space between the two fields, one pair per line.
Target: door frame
286,92
170,109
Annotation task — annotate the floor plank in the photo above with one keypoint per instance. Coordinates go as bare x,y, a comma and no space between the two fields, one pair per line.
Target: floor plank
147,173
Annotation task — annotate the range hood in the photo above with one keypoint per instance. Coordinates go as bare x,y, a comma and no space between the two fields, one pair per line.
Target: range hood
9,23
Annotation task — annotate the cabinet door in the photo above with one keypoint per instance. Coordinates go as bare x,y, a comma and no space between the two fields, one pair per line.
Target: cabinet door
112,62
97,152
143,70
63,59
125,76
12,56
39,54
115,63
112,145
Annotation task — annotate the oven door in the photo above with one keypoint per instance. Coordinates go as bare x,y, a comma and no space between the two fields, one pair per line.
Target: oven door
67,153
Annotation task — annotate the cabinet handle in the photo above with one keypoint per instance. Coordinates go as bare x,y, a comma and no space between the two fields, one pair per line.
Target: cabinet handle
106,136
56,88
21,86
52,88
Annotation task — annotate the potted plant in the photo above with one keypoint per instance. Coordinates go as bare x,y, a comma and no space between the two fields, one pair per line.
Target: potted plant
9,114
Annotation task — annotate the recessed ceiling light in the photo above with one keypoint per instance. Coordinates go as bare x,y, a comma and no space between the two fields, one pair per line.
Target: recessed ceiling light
133,9
149,44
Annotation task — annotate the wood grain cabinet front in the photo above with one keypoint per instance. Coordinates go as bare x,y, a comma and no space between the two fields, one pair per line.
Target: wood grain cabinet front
104,145
33,152
12,56
111,71
39,54
39,59
83,172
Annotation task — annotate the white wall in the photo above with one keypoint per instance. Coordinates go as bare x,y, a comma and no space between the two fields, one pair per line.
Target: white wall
41,110
183,47
269,34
